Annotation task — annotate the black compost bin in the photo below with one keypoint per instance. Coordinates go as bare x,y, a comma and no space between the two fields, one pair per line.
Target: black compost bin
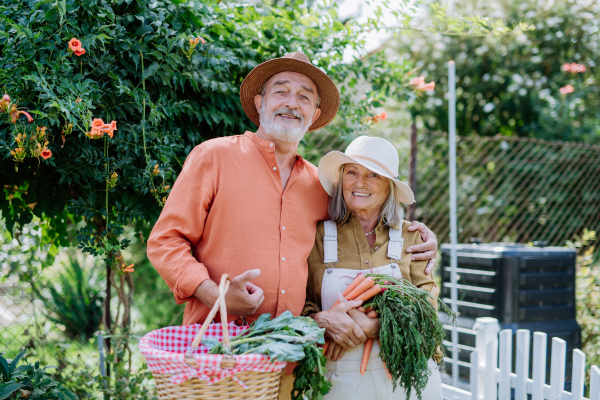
523,287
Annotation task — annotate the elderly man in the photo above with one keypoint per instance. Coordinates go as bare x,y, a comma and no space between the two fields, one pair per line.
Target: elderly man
248,205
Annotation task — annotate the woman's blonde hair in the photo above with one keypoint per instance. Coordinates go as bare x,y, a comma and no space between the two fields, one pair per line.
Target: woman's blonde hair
391,211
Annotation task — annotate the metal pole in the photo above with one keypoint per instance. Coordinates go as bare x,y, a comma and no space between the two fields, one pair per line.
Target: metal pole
413,169
108,328
102,361
453,224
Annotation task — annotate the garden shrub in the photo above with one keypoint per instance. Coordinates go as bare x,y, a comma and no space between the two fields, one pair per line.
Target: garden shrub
73,301
29,381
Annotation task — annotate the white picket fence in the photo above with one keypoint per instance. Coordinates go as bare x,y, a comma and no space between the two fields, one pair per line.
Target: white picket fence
491,380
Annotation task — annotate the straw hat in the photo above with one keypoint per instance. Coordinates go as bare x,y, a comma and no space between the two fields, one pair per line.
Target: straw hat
376,154
295,62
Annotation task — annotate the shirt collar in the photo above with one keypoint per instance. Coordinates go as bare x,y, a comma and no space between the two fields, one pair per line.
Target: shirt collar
265,144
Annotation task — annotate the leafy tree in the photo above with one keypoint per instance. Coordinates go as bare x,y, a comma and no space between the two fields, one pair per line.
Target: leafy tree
511,85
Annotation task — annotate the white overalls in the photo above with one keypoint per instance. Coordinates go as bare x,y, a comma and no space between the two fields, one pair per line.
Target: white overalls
345,375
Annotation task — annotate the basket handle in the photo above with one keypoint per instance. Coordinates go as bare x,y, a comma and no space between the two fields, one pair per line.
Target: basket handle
219,304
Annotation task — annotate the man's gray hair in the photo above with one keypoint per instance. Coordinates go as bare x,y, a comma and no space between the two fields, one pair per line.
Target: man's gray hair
391,211
263,92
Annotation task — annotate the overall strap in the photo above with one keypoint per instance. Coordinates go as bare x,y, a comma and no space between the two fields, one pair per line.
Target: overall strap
330,248
395,245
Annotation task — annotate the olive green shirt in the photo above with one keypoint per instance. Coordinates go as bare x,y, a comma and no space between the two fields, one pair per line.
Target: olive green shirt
354,253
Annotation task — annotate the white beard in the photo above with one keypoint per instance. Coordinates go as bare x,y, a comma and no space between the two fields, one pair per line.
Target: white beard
283,129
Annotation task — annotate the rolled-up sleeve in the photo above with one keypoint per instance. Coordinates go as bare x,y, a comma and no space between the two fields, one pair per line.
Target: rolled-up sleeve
180,227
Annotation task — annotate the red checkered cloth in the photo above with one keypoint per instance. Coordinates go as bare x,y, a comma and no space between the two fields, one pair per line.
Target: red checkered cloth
165,350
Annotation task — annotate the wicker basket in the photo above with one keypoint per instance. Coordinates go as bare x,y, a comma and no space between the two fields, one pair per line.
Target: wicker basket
179,370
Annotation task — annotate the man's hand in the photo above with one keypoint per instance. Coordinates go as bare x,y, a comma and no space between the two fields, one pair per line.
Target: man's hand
243,298
424,251
340,327
370,326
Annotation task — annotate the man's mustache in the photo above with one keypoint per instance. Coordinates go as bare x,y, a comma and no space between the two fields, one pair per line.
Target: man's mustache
289,111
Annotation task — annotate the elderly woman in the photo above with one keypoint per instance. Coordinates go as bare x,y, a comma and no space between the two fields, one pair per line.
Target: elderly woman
365,210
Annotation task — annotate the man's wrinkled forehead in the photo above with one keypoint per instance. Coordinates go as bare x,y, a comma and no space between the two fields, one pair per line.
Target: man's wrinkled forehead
287,77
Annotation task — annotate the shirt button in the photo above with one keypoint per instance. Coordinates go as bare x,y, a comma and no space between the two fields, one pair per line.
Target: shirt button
271,145
283,258
283,292
283,227
274,168
376,247
366,261
283,197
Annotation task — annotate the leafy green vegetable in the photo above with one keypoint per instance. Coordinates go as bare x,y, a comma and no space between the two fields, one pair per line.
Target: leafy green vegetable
410,333
285,338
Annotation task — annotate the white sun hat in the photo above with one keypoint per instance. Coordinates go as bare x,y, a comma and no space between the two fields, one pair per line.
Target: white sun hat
376,154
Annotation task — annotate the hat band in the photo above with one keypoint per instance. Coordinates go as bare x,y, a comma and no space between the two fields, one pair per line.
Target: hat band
374,162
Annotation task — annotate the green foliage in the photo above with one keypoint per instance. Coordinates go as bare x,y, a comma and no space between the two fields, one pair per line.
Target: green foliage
587,296
285,338
29,381
74,302
135,72
511,85
410,333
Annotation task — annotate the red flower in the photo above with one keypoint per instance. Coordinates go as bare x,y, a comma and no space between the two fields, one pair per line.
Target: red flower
566,89
6,98
110,128
417,81
75,45
46,153
25,113
427,86
573,68
94,134
79,52
383,116
128,268
97,123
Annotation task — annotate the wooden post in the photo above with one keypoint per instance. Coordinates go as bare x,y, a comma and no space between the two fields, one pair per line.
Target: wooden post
557,368
595,383
522,364
486,344
505,364
578,375
413,169
474,376
490,387
538,375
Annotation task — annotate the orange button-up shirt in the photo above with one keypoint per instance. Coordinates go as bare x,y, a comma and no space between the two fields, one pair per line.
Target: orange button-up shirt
227,213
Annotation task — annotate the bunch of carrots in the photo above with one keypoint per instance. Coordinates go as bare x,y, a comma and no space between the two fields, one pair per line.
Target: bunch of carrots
410,330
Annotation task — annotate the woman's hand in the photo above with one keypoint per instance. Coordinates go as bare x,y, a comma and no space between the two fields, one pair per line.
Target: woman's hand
340,327
335,352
